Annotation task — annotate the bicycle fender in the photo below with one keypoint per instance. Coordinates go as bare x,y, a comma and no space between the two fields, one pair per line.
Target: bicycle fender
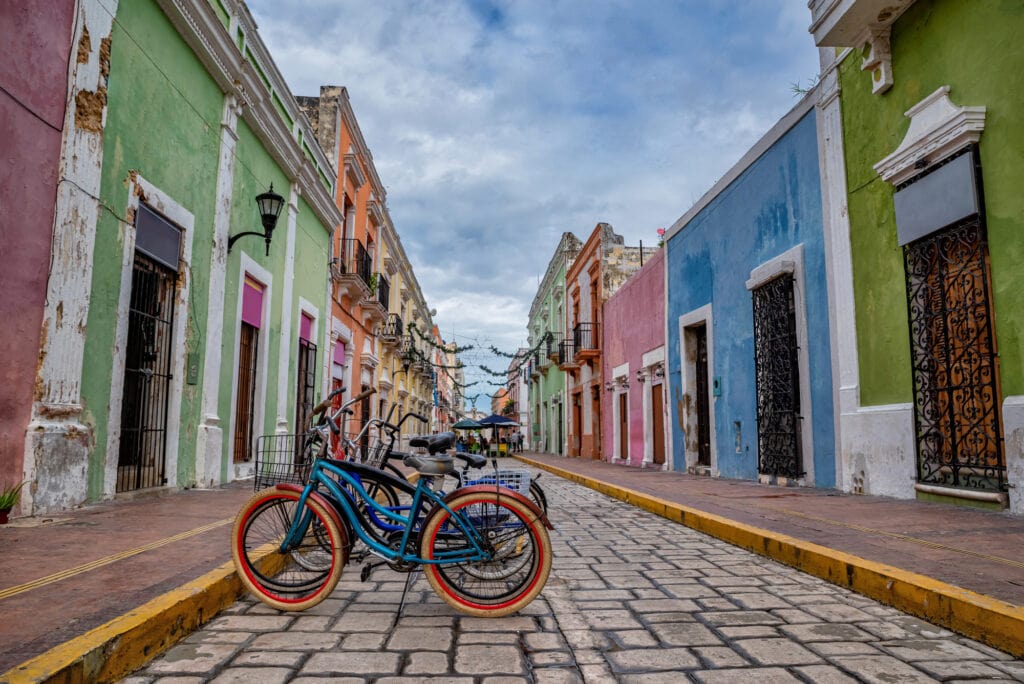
326,505
504,491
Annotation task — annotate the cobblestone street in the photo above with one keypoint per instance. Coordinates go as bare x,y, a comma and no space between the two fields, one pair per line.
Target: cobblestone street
631,598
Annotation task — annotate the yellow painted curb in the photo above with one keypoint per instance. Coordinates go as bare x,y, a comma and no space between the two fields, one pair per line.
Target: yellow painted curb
991,621
126,643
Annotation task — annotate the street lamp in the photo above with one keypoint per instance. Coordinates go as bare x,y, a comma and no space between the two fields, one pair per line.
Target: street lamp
270,204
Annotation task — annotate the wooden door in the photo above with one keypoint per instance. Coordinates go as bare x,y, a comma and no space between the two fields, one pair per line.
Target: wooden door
658,423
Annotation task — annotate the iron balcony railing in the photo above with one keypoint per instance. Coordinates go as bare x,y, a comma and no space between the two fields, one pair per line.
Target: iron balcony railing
585,337
355,260
383,290
392,328
565,352
554,339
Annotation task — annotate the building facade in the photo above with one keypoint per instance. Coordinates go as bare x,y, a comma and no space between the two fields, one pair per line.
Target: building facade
747,318
922,118
205,330
634,422
546,328
34,77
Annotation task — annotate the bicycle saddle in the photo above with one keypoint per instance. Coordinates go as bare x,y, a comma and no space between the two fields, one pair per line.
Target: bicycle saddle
434,443
430,465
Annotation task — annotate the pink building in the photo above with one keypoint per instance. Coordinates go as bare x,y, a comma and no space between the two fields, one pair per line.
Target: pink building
634,421
36,36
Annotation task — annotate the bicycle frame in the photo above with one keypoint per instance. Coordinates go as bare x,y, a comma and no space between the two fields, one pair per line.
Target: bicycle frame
422,494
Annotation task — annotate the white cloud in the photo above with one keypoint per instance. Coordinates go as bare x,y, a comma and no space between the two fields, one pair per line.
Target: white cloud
496,125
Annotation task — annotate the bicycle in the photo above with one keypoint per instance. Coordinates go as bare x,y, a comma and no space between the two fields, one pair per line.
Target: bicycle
485,549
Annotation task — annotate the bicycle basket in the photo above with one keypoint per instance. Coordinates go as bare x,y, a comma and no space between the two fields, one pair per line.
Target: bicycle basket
371,451
281,458
516,479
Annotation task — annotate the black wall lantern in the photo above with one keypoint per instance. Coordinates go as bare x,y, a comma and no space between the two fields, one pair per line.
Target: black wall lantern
270,204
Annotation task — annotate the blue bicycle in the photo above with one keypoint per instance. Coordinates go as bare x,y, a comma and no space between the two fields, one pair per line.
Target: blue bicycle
484,549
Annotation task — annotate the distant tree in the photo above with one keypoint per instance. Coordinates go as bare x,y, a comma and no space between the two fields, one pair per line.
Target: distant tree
509,408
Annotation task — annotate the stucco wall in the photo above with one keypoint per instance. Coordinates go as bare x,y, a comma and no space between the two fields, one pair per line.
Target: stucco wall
36,36
773,205
634,323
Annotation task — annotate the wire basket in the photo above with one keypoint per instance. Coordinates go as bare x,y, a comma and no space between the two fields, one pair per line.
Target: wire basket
516,479
370,450
281,459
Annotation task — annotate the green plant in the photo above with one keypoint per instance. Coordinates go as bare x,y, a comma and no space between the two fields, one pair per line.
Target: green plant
9,496
373,284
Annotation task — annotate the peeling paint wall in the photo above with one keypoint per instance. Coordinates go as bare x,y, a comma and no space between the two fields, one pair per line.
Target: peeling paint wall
36,38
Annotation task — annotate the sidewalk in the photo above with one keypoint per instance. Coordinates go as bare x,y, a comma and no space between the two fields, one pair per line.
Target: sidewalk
916,556
103,589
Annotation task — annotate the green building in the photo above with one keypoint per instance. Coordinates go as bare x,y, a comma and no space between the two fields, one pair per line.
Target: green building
921,126
168,345
546,327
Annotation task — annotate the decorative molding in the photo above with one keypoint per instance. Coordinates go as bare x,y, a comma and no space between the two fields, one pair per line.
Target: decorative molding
354,171
938,129
877,57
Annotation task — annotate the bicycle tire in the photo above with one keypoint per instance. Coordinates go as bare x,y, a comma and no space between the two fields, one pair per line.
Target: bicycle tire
538,496
520,562
273,575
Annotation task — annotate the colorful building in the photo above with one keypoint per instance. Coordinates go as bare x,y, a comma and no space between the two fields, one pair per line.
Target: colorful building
37,39
601,266
922,123
748,321
197,339
634,422
546,328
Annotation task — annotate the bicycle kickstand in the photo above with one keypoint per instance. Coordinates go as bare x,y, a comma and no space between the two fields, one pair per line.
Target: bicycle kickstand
410,579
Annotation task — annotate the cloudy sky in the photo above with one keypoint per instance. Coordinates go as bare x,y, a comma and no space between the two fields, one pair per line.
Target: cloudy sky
498,125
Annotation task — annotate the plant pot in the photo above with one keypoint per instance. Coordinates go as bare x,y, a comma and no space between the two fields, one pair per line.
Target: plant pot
3,515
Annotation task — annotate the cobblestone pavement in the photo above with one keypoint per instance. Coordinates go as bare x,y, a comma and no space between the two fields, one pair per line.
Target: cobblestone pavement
631,598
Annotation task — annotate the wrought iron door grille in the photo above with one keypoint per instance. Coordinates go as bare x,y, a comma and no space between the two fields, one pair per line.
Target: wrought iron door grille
306,377
954,360
778,379
245,407
147,377
703,405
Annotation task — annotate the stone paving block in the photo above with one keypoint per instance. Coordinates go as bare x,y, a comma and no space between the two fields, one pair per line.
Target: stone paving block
776,652
739,618
251,623
549,675
720,656
825,674
178,680
427,621
837,612
728,580
843,648
657,618
753,631
426,663
363,622
288,659
311,624
685,634
505,624
420,639
601,605
651,678
368,641
716,604
1014,669
882,670
192,659
761,675
794,616
633,638
610,619
550,658
661,605
488,660
602,595
689,591
652,659
931,649
295,641
489,638
589,657
246,675
585,638
825,631
655,593
329,607
544,641
351,663
204,637
597,674
418,679
966,669
758,601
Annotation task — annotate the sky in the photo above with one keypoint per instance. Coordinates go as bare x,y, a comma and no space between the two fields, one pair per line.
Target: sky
497,126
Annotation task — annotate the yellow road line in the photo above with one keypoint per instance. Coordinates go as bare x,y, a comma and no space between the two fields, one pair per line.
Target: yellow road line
99,563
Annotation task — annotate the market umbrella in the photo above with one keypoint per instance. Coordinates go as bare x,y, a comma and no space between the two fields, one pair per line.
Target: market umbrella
496,421
467,424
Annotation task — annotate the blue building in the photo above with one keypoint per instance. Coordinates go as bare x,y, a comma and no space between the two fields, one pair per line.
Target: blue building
748,320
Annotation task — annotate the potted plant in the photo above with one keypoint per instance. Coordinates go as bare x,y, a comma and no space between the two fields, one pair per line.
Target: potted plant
9,497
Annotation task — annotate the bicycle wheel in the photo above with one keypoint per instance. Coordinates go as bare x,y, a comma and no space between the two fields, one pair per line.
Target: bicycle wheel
515,538
538,496
276,576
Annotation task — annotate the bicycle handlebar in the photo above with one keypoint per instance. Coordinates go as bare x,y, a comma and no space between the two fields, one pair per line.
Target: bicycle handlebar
362,395
322,406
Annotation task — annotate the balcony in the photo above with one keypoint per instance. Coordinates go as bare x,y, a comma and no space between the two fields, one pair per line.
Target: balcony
554,339
351,272
565,355
391,332
383,290
586,342
375,307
